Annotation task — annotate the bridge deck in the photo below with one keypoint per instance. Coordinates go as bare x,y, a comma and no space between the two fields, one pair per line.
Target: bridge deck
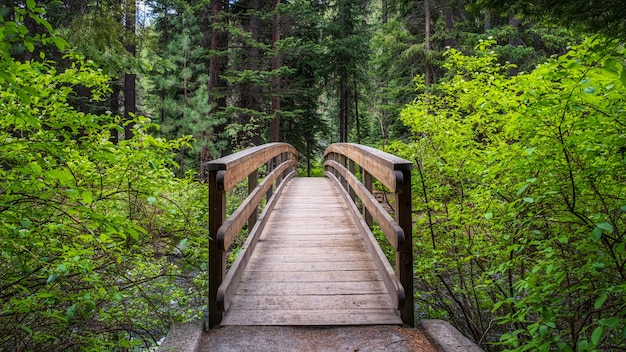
310,266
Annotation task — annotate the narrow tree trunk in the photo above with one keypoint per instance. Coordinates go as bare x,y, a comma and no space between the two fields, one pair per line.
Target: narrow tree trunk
217,100
130,97
385,18
356,112
114,107
253,100
276,63
343,108
428,79
487,25
448,13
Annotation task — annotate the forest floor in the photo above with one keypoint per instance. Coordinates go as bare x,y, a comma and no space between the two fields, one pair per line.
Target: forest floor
283,339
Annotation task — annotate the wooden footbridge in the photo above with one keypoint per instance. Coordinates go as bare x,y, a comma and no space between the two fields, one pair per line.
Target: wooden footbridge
310,257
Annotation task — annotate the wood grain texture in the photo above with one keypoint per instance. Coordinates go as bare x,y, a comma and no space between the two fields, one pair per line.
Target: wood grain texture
310,266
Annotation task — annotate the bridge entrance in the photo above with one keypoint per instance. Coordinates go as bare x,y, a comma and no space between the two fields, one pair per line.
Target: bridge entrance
310,257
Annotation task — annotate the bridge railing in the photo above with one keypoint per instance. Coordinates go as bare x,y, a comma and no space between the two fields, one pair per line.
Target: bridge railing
340,161
224,174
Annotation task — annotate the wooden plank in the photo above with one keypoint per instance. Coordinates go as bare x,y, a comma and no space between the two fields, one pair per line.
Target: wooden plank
259,265
312,233
351,302
310,288
315,276
264,249
331,242
313,317
268,257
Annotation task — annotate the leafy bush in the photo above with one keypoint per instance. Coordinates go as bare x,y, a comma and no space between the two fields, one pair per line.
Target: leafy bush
521,196
101,247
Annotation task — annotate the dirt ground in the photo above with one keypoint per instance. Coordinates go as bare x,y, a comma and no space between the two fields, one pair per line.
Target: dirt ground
318,339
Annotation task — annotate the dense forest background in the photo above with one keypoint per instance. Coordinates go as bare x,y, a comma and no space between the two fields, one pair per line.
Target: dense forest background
514,114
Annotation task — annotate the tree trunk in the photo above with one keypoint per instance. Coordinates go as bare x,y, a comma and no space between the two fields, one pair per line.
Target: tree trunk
487,25
253,93
428,79
343,108
448,13
385,18
130,97
276,63
217,99
114,107
356,112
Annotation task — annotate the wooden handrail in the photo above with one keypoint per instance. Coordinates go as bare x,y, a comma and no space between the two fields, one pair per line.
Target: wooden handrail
395,174
224,174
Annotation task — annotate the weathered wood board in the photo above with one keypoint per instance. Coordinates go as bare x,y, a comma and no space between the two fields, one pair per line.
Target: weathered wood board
310,266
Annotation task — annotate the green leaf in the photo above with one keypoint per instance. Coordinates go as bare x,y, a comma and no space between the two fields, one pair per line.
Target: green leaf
611,322
596,335
529,200
543,331
151,200
522,189
622,76
87,197
26,328
30,4
589,90
596,234
61,43
605,226
25,223
600,301
488,216
62,175
51,278
133,233
70,313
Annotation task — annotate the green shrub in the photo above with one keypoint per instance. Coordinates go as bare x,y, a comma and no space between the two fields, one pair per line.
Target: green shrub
520,196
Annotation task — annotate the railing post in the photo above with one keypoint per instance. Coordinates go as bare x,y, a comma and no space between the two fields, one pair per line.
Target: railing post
367,182
217,257
270,167
404,256
279,160
253,182
344,161
352,169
